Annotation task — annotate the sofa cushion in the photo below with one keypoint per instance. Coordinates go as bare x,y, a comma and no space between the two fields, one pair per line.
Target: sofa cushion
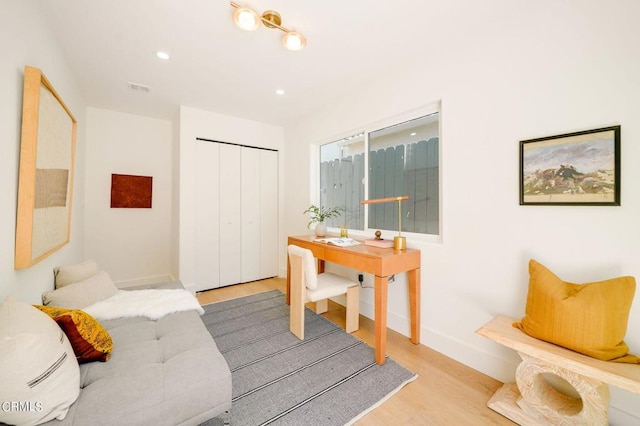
163,372
65,275
82,293
37,366
587,318
89,340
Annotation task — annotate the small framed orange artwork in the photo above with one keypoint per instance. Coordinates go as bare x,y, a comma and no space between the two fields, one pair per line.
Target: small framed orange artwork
129,191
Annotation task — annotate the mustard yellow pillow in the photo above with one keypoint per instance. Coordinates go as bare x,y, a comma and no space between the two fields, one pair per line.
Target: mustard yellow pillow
588,318
89,340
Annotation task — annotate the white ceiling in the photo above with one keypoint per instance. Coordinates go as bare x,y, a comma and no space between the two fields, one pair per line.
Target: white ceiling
216,66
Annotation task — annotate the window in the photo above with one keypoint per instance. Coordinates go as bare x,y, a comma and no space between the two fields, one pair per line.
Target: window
342,180
404,160
400,159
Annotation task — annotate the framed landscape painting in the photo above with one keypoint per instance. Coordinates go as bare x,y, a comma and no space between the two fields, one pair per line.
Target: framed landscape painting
581,168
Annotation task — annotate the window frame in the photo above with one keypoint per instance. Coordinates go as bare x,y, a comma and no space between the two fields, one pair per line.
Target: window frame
428,109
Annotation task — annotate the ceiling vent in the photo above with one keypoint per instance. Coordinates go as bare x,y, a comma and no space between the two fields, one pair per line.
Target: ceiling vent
137,87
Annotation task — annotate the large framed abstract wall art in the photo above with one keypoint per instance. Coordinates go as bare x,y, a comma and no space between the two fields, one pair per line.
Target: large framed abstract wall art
45,182
581,168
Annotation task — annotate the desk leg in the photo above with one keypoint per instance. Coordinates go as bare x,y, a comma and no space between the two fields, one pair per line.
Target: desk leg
381,293
414,304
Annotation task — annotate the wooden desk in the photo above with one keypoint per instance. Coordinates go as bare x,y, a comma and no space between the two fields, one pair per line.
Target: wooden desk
381,263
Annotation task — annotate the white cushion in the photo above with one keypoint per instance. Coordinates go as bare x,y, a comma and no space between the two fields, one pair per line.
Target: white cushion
65,275
329,285
39,374
83,293
308,265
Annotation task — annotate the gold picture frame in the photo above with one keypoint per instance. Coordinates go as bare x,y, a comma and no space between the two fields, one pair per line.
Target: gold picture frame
45,182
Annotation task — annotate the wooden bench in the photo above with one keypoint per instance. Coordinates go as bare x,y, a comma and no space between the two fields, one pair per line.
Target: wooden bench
534,402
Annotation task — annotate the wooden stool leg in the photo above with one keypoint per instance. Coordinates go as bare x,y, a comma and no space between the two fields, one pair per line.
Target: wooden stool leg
353,309
322,306
535,402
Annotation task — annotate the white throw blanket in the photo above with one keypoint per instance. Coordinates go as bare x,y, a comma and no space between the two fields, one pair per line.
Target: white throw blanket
153,304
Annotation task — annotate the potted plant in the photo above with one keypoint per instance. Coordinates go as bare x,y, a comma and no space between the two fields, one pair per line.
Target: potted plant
319,214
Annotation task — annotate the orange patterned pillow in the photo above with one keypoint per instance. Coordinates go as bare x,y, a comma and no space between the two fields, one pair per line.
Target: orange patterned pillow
90,341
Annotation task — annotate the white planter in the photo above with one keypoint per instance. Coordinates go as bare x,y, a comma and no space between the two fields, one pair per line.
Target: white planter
321,229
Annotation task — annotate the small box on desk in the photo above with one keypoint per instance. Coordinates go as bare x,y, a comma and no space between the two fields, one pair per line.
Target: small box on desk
379,243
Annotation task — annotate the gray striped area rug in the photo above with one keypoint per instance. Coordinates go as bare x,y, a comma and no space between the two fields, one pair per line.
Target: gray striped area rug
329,378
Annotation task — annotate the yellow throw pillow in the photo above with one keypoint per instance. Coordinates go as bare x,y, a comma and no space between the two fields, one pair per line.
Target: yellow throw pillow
588,318
89,340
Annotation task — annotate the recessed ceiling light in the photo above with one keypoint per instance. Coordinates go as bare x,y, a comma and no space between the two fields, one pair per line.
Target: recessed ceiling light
413,134
280,92
163,55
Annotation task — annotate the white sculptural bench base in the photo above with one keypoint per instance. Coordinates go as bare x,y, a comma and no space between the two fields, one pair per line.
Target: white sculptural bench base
532,401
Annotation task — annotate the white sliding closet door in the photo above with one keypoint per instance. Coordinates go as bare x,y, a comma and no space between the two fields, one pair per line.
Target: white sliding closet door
230,215
207,215
251,214
236,214
268,214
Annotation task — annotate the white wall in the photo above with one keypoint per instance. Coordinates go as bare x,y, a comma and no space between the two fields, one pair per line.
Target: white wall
132,245
535,69
175,197
194,124
26,40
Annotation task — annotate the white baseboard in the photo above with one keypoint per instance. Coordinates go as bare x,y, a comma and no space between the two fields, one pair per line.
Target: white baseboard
154,279
619,417
191,287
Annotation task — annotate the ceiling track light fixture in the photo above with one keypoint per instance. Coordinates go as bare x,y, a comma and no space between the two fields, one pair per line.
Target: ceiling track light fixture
249,20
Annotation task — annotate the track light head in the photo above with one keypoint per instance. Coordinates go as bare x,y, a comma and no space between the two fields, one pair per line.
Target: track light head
246,19
294,41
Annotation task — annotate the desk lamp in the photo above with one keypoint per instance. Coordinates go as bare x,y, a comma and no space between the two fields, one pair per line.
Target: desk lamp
399,242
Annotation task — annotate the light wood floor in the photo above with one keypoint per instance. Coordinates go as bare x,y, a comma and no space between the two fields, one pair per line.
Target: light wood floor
445,393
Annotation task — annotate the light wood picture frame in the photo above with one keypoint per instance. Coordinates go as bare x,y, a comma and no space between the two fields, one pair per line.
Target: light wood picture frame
45,181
